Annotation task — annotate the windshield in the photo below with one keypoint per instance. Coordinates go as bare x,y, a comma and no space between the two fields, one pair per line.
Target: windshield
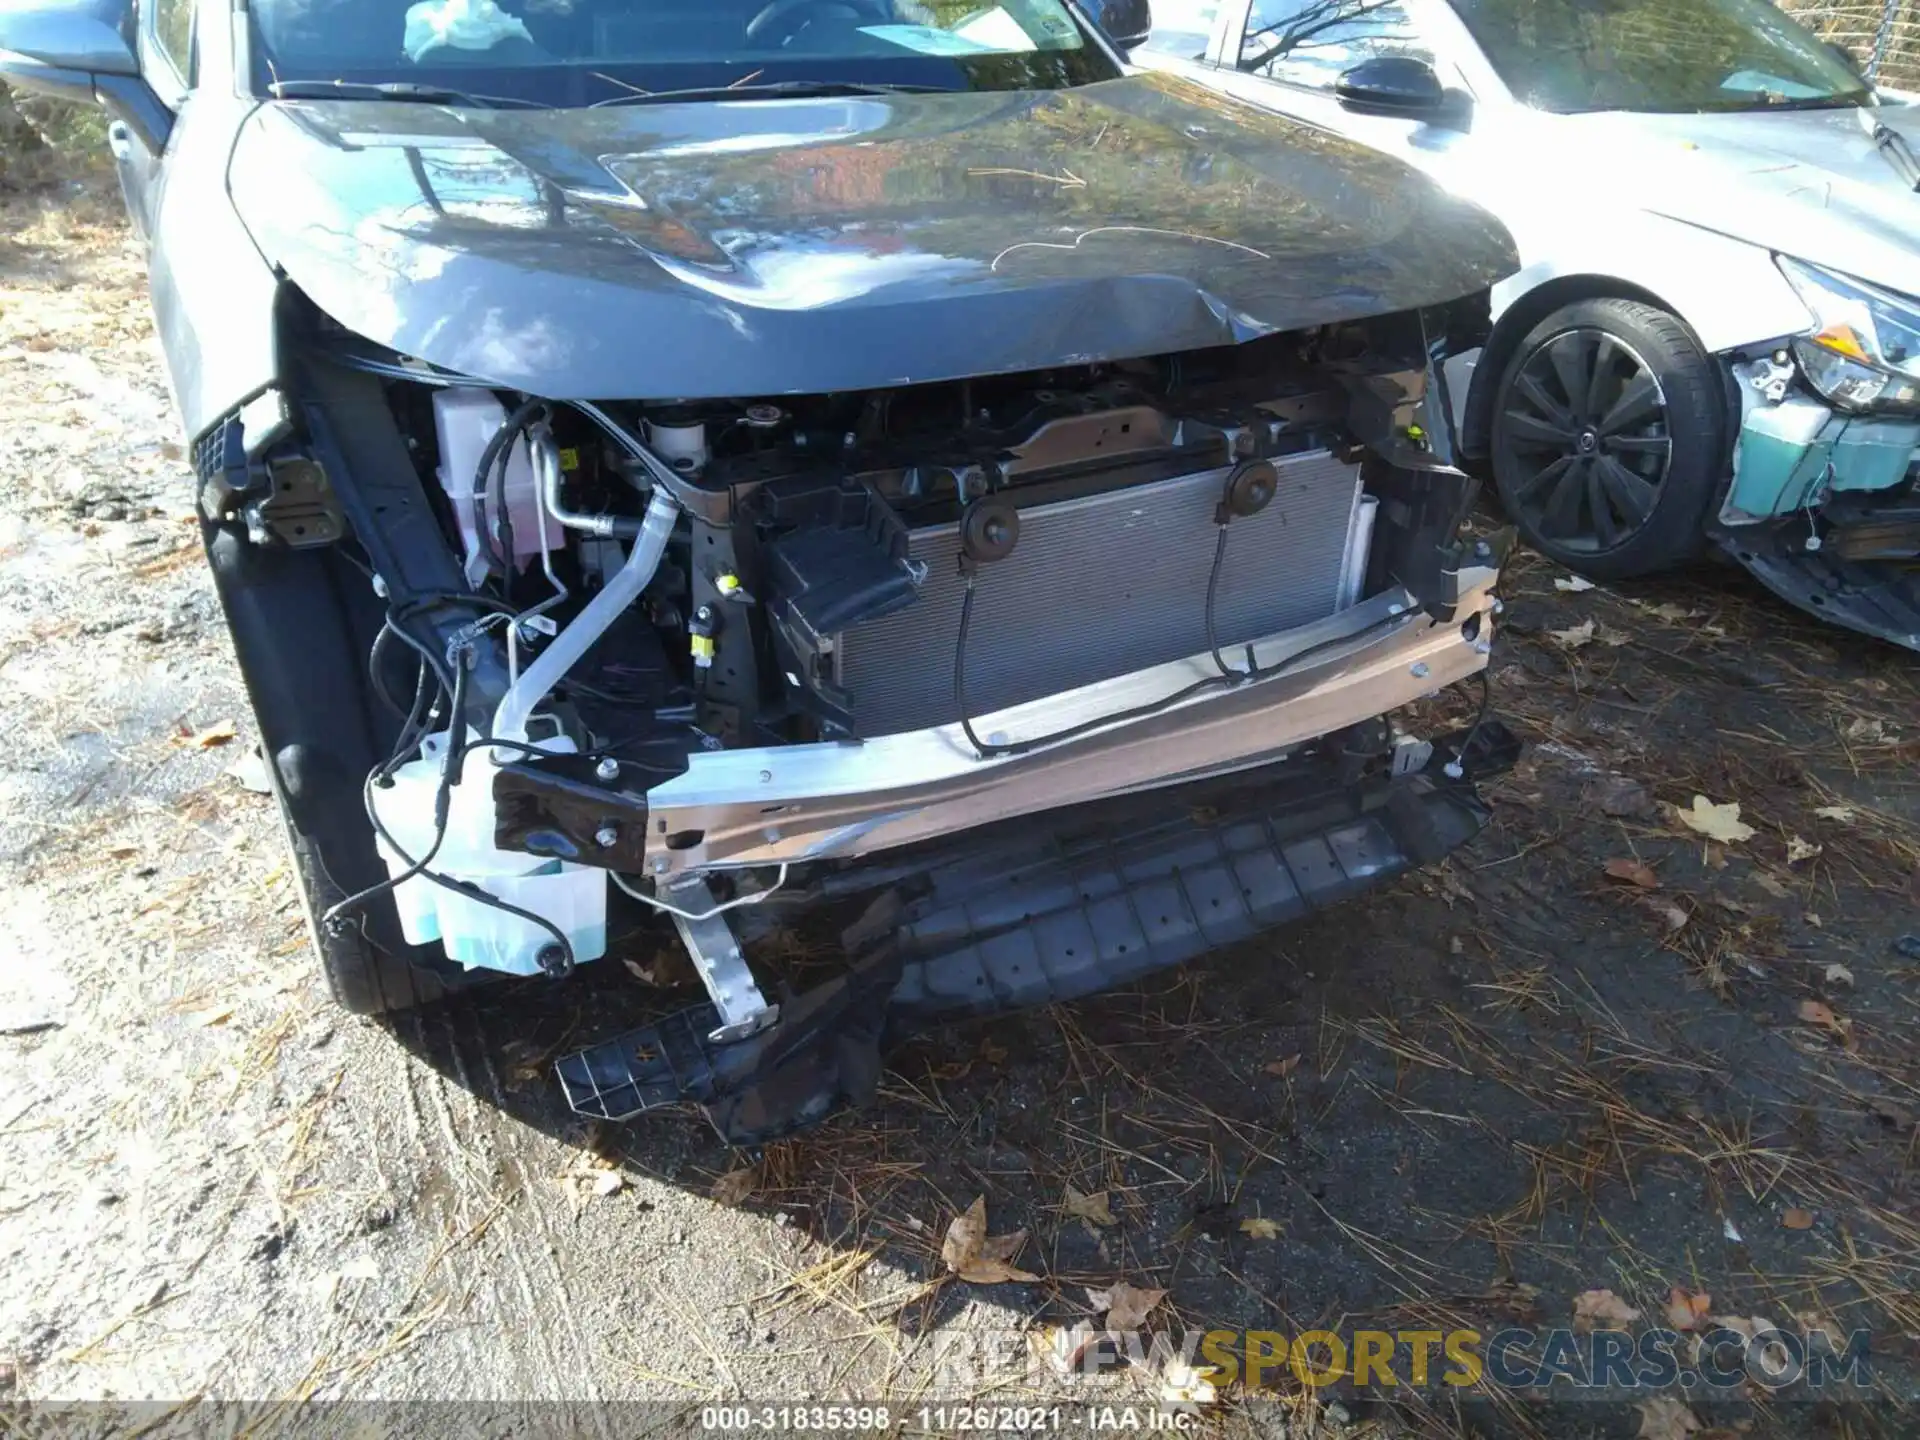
1658,55
583,52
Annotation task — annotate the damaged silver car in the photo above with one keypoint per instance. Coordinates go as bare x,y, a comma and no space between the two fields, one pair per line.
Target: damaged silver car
1714,335
695,466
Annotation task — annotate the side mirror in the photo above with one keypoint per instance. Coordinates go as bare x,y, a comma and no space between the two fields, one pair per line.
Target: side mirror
81,50
1392,85
1126,22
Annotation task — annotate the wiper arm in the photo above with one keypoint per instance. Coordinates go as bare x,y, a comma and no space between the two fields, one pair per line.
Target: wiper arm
1893,145
409,90
772,88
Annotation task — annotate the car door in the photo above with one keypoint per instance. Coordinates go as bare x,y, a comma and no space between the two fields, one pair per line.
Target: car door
1287,55
169,64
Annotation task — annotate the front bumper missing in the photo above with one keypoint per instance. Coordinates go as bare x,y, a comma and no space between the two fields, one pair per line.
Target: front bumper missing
1876,597
1019,915
811,802
1824,509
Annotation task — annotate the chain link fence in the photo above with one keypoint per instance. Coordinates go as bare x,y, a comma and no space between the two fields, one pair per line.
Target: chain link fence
1884,35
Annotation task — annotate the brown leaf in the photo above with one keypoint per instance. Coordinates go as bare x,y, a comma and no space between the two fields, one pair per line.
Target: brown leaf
1260,1227
1124,1305
735,1186
217,734
974,1257
1282,1068
1797,1219
1664,1418
1816,1013
1685,1311
1601,1310
1633,872
1799,850
1091,1208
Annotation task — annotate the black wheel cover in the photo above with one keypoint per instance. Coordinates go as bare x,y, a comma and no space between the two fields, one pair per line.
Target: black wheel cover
1583,428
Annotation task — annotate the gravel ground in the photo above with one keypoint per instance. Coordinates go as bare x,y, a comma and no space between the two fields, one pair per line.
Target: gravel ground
1594,1052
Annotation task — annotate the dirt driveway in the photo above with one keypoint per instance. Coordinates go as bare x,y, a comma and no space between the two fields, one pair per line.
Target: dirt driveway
1596,1052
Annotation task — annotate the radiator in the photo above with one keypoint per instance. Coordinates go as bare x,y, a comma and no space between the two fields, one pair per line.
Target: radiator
1106,584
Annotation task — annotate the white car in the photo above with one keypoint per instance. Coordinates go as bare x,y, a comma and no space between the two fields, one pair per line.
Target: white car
1715,330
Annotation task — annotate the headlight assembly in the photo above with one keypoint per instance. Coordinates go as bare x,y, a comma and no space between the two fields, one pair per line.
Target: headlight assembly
1864,351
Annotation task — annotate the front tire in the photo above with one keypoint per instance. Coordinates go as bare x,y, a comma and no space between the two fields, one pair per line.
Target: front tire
1609,438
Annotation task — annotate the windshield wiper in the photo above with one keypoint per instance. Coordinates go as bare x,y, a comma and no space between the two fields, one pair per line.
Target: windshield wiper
773,88
1893,145
1774,100
395,90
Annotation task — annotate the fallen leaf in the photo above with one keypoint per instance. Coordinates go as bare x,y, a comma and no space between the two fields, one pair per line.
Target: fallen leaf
1282,1068
1573,584
736,1185
249,772
1672,916
1797,1219
1091,1208
1182,1384
1716,822
1664,1418
1601,1310
1771,885
214,735
1843,814
1573,639
1260,1227
1839,975
1798,850
1673,614
1815,1012
1685,1311
1125,1306
1633,872
977,1258
1872,732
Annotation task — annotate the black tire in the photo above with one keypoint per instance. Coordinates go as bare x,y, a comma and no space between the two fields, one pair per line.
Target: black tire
1616,481
303,623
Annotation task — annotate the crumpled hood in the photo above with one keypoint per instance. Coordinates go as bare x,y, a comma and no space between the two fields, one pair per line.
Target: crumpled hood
1806,183
791,246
